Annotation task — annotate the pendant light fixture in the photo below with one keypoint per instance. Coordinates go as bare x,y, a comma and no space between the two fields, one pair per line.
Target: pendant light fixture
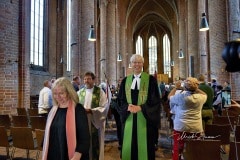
119,57
92,35
204,24
129,65
180,54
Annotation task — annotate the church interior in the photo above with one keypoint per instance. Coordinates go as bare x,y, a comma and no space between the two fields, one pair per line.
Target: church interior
47,39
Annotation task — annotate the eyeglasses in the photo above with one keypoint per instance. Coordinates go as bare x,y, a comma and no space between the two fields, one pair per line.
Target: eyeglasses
61,94
137,62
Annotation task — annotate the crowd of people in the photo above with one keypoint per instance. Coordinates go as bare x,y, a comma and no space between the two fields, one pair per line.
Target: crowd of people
77,113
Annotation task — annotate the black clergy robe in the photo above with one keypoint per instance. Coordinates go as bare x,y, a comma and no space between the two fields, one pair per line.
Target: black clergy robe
151,112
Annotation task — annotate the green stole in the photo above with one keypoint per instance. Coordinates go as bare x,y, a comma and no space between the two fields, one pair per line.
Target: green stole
94,130
95,96
141,121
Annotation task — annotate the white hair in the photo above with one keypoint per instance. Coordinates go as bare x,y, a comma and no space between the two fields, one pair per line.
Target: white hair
136,57
103,85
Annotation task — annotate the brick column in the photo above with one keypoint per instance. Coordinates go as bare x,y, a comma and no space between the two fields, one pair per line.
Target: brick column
203,39
117,25
192,40
75,54
59,40
145,53
110,42
217,37
122,49
182,38
22,80
87,49
103,37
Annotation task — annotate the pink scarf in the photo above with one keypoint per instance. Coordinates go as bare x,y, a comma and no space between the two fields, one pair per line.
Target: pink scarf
70,130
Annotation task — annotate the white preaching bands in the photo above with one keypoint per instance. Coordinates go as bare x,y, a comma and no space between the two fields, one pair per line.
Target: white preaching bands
136,80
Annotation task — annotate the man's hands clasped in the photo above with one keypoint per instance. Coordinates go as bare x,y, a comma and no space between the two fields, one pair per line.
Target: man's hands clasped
134,108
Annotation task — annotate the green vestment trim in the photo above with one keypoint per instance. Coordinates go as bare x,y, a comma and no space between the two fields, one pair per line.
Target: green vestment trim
94,131
141,121
95,96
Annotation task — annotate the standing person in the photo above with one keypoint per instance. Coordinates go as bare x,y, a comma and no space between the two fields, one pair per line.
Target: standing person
119,83
94,100
53,80
139,110
76,82
162,89
66,135
214,85
45,98
227,86
207,110
218,100
173,108
114,105
188,118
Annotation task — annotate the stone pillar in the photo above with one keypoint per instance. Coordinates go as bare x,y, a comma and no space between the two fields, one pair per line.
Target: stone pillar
75,55
182,38
103,37
145,53
59,40
122,50
218,35
160,63
87,49
203,45
191,51
118,69
110,42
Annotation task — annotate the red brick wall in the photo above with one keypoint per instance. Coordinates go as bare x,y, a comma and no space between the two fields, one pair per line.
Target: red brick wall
9,47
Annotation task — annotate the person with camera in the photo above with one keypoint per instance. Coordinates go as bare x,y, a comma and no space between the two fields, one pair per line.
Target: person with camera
188,118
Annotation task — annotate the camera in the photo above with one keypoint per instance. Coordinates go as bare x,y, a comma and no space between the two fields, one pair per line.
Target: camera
231,55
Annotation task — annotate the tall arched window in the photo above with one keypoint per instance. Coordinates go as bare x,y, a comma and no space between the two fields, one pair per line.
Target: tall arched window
152,51
37,34
166,55
139,46
69,54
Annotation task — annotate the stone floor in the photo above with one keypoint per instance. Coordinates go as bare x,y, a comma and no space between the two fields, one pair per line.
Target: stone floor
112,152
164,146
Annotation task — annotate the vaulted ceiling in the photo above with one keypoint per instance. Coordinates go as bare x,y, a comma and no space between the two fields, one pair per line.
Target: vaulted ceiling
153,17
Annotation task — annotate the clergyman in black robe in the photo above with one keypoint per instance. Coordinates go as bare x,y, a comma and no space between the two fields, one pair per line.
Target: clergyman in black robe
139,109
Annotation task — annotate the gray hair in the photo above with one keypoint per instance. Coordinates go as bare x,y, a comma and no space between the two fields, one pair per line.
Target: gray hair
136,57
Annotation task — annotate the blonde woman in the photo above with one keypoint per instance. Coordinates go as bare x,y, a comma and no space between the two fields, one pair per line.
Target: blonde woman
66,135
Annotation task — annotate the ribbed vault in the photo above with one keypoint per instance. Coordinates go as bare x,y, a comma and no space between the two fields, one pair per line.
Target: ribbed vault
152,13
147,18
